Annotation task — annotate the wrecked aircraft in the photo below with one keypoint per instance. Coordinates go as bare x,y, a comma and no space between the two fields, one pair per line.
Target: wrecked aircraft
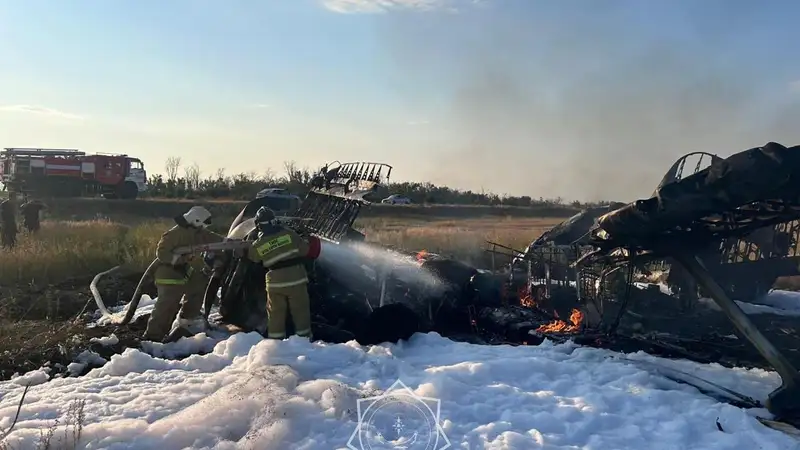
728,230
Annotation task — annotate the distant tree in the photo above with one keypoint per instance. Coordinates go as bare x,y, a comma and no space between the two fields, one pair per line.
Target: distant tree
171,167
192,175
297,180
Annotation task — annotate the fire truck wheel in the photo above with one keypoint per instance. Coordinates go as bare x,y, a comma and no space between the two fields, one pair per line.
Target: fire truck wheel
128,190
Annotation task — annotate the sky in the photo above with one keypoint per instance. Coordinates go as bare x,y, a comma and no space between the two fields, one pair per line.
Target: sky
579,99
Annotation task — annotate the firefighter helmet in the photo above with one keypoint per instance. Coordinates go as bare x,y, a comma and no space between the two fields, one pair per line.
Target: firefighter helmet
198,217
264,216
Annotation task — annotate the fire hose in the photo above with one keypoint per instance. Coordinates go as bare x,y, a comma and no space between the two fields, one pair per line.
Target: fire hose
137,295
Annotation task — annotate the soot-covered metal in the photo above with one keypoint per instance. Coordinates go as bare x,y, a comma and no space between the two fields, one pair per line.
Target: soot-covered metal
726,230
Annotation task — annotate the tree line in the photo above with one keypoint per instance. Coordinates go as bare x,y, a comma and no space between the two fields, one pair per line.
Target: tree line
187,181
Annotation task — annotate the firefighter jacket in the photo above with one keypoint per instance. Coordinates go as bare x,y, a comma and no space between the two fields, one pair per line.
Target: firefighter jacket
284,253
180,236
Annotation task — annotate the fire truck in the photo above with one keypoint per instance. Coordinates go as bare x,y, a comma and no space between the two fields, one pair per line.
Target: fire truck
71,173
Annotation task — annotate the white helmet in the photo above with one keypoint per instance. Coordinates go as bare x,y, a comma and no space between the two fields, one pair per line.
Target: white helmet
198,217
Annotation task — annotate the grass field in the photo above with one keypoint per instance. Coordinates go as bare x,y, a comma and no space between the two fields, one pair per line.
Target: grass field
76,249
87,208
81,237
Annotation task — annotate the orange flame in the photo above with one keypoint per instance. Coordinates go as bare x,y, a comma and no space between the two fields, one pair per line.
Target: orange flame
421,255
525,298
576,317
559,326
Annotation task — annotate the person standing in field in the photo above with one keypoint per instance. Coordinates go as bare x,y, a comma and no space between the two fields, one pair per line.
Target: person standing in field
283,253
180,278
31,215
8,222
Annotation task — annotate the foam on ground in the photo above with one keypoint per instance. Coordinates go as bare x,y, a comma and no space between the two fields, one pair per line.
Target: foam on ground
293,394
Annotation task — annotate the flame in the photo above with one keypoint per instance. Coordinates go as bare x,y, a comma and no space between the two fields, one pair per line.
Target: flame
576,317
525,298
421,255
531,300
559,326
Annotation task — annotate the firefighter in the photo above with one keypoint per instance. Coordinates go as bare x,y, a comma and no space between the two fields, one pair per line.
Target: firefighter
8,222
180,278
284,254
31,215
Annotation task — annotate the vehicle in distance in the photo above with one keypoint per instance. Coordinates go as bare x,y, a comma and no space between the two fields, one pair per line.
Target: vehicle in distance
396,199
71,173
279,200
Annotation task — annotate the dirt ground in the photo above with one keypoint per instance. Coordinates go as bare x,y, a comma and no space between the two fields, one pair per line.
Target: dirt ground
45,325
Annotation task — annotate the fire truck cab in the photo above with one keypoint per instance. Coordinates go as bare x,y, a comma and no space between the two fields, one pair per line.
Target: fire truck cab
71,173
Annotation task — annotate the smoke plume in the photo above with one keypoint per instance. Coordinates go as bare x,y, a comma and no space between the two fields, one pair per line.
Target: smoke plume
594,100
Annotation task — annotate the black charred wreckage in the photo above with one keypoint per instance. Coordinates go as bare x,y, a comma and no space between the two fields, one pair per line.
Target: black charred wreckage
728,230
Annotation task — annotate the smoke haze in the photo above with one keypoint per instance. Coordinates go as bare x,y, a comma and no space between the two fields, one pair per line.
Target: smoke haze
595,100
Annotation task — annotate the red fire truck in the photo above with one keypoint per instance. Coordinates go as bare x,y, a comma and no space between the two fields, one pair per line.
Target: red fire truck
71,173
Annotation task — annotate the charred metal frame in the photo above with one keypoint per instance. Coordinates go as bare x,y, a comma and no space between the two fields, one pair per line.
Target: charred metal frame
594,292
364,171
782,401
351,180
327,216
762,236
675,172
335,200
733,226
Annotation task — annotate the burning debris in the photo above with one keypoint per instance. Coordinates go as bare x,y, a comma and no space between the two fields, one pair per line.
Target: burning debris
559,326
538,301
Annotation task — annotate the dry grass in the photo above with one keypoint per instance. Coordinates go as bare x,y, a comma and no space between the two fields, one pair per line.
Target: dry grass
71,249
462,239
66,249
59,434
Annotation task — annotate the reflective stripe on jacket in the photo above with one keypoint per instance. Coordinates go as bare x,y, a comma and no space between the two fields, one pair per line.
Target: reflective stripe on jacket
281,246
173,238
177,281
